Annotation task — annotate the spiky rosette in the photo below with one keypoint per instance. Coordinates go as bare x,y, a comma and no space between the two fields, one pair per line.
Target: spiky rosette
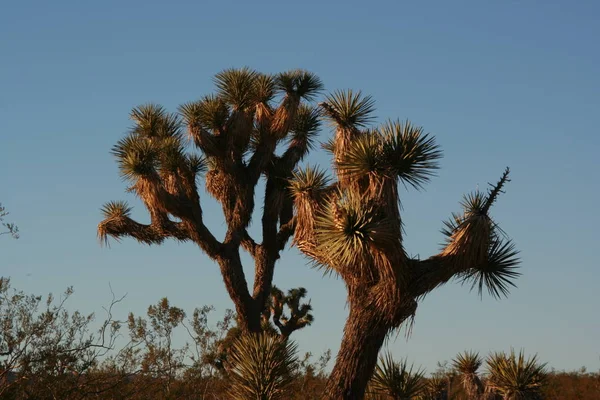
261,366
516,378
116,209
467,364
308,181
237,87
348,109
348,227
498,273
211,113
398,380
136,157
300,83
411,154
153,121
474,239
363,157
306,125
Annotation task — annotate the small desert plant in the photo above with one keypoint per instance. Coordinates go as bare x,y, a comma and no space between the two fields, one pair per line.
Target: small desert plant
396,379
515,378
467,364
261,366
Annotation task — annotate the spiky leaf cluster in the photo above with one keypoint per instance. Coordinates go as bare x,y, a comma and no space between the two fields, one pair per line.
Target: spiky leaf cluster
412,154
308,181
476,237
210,113
261,366
306,124
397,380
299,82
349,109
467,362
154,145
515,377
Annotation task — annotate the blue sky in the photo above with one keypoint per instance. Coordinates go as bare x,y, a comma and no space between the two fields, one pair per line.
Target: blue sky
499,83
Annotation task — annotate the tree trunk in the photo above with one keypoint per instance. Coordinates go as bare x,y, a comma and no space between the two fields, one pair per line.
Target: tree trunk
249,315
364,335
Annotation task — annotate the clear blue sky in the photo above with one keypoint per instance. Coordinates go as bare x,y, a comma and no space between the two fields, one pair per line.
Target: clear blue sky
499,83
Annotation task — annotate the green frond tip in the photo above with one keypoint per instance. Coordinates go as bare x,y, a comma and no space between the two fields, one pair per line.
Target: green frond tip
498,273
308,181
302,83
211,113
116,209
412,155
136,156
349,109
237,87
397,379
153,121
467,362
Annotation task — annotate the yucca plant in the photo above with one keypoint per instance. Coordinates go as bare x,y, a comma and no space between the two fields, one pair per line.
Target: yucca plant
436,388
397,380
514,377
467,364
261,367
351,225
228,139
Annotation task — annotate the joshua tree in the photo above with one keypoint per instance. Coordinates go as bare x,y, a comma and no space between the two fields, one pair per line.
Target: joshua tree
515,378
467,364
237,131
397,380
353,227
299,314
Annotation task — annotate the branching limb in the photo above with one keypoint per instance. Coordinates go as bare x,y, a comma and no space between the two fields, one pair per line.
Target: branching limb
475,251
121,226
285,232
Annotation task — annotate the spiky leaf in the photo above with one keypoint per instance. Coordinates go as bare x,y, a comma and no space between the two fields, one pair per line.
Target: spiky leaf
237,87
349,109
308,181
136,156
299,82
347,227
516,378
261,367
397,380
211,113
412,155
363,156
116,209
498,273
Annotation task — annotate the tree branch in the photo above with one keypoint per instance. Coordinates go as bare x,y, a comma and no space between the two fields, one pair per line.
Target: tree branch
122,226
285,232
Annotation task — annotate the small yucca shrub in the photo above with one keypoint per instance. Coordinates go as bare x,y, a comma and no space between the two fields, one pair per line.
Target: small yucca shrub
397,380
261,366
515,378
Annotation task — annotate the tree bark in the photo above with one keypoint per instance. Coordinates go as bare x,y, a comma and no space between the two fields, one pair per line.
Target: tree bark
364,335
